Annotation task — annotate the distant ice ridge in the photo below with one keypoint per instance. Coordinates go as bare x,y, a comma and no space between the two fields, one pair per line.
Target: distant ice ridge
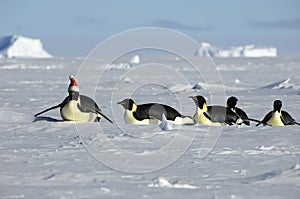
22,47
283,84
207,50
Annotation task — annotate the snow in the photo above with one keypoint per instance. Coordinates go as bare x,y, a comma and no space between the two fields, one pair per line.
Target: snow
47,157
120,66
22,47
165,125
207,50
163,182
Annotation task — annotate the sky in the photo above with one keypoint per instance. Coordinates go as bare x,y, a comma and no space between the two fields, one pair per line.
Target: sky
74,28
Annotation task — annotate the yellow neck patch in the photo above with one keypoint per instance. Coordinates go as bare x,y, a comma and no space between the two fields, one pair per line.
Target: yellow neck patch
200,117
204,107
134,107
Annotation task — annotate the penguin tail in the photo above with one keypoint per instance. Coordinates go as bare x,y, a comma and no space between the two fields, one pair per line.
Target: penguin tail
297,123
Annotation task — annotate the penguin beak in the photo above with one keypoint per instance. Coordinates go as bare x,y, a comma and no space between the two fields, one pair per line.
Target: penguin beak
193,98
121,102
277,109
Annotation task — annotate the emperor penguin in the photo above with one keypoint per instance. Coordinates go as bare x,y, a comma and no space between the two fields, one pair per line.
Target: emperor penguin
152,113
278,117
214,115
76,107
231,104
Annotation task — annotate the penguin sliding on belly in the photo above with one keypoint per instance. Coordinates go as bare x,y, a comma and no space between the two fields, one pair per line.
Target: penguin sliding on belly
278,117
78,107
214,115
231,104
152,113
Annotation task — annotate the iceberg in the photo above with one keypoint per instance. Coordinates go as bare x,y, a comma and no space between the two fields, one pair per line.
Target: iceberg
22,47
207,50
135,59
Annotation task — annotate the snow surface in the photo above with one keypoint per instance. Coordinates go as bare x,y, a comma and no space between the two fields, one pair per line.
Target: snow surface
22,47
207,50
46,158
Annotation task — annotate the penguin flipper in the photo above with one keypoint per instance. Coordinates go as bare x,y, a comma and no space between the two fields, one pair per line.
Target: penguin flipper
243,115
105,117
89,105
258,123
287,119
253,120
207,116
266,119
54,107
87,110
233,118
228,123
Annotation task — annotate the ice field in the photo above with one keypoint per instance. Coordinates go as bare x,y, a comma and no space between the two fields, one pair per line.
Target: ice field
50,158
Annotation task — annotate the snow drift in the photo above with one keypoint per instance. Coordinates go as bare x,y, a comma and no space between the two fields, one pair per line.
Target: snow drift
22,47
283,84
207,50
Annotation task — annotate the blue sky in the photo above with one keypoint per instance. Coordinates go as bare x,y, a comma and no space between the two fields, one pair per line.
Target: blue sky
73,28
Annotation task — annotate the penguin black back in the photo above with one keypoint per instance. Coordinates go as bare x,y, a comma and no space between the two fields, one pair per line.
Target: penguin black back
155,110
149,110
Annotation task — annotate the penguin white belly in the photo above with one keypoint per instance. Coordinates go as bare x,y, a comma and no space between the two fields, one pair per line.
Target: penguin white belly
129,119
275,120
201,119
71,112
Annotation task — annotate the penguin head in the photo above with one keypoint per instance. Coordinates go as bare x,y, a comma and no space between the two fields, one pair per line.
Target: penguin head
199,101
277,105
74,95
128,104
73,89
231,102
